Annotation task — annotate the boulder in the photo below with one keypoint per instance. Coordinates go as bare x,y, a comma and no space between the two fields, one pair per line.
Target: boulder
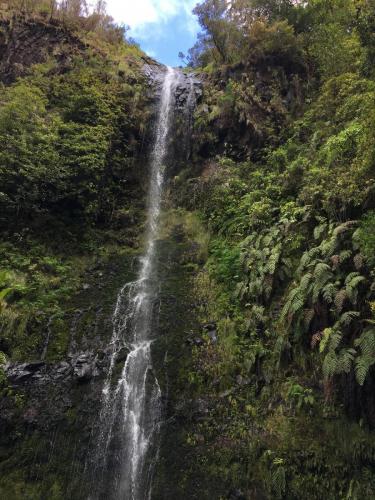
19,372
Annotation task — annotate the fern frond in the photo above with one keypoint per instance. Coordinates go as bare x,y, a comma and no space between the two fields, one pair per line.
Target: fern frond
308,258
241,290
330,365
325,339
345,360
320,230
308,316
329,291
340,298
322,275
362,367
346,226
305,282
294,303
351,286
335,340
322,269
258,312
345,254
328,247
359,261
351,277
316,339
348,317
366,343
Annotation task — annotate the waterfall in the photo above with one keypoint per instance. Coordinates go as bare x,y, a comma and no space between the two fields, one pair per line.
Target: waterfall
130,416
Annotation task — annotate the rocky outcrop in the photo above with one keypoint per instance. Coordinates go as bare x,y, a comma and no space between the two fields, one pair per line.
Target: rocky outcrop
24,43
79,367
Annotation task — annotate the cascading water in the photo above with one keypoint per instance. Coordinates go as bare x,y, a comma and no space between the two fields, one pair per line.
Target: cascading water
131,408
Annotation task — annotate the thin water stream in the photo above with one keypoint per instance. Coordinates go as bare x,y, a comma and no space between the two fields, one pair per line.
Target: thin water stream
130,416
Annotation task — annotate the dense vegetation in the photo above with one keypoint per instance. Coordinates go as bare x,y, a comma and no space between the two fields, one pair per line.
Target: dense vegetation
71,132
73,115
282,175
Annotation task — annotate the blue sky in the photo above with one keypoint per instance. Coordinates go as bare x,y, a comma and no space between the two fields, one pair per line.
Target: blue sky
163,28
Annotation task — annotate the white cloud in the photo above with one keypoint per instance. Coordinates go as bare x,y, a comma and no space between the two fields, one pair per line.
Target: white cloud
145,15
150,52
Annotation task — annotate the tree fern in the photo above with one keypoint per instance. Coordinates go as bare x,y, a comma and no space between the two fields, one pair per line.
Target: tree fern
241,290
257,313
335,364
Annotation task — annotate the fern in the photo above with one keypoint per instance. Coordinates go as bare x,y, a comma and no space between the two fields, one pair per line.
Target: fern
335,364
258,312
328,247
329,365
346,226
351,284
278,481
325,339
345,254
305,282
366,344
329,292
320,230
347,318
345,360
340,298
308,317
240,290
359,261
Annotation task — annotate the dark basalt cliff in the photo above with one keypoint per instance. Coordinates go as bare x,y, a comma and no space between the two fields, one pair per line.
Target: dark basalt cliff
58,359
24,43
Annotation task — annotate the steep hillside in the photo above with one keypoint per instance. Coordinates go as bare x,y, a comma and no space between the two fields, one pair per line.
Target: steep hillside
74,135
282,174
264,345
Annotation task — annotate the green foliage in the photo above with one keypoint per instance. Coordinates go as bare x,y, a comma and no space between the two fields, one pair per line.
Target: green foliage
62,156
366,358
285,145
365,236
224,263
300,396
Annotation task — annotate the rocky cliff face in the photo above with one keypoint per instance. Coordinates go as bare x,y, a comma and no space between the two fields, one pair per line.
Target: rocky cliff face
24,43
51,391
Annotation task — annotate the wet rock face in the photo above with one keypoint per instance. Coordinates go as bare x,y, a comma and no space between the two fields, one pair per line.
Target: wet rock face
188,91
19,373
80,367
25,43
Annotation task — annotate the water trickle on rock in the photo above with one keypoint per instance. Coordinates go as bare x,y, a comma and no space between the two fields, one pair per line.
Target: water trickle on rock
130,417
